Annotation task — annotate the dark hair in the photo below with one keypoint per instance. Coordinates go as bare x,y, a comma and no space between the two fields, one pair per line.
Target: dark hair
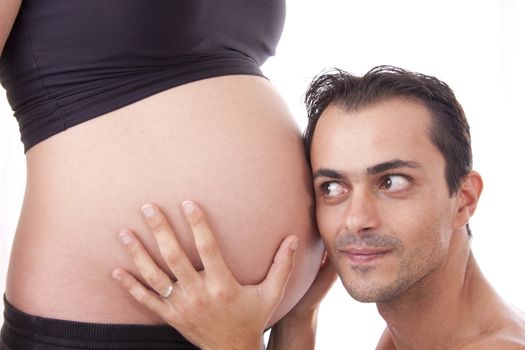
449,129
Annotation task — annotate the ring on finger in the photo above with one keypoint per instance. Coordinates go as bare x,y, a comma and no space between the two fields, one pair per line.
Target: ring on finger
167,292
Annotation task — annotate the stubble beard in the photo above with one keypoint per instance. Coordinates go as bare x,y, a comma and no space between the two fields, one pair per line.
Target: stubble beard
413,268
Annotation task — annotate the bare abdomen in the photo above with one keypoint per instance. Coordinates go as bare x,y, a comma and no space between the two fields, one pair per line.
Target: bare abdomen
228,143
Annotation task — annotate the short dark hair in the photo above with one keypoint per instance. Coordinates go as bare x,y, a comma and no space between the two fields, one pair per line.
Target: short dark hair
449,129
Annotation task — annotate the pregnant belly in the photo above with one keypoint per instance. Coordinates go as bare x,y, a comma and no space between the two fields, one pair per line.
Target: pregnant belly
228,143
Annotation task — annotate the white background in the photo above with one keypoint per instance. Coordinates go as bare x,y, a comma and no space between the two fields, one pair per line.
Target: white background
477,47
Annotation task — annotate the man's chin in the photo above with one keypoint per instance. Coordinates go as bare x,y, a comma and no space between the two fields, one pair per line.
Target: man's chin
371,294
363,298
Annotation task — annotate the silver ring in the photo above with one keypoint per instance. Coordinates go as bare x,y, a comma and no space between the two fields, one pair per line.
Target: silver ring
167,291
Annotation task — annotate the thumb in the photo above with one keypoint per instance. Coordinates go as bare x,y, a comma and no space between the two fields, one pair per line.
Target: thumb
280,271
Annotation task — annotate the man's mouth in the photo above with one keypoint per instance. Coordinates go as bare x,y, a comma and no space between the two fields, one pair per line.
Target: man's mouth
364,255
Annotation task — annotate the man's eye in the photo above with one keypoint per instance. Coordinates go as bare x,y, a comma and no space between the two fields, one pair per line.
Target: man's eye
394,183
332,189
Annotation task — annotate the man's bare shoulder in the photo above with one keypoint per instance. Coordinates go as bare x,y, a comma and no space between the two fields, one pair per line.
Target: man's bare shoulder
506,332
510,337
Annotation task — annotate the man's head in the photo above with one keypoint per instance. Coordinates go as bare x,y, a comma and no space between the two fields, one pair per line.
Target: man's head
391,157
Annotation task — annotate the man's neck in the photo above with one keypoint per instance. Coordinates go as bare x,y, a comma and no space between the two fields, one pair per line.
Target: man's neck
442,310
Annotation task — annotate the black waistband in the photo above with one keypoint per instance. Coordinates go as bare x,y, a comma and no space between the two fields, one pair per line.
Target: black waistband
83,335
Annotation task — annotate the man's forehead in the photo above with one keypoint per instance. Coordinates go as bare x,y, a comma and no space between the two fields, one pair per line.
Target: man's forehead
386,120
356,140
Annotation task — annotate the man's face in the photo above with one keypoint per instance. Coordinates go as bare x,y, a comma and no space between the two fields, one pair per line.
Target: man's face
383,204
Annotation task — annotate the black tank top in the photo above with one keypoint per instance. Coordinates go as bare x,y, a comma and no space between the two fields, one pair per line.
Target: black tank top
67,61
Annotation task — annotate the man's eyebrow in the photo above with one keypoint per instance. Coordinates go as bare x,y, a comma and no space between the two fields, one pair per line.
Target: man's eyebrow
370,171
323,172
393,164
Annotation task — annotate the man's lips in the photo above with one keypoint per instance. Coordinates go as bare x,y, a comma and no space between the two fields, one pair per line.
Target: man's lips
365,255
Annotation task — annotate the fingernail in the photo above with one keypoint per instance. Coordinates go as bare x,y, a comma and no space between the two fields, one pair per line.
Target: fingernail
149,211
188,207
294,245
124,237
116,275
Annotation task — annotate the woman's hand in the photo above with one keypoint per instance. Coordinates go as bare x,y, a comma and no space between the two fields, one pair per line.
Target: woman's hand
210,308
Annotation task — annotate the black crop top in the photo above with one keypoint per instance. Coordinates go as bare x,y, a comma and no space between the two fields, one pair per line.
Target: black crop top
67,61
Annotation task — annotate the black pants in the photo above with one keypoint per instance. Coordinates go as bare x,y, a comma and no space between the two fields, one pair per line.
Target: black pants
26,332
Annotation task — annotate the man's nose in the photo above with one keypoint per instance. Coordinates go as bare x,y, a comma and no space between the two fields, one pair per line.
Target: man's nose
361,214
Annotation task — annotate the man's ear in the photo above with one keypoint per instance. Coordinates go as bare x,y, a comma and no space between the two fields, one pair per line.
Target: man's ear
467,199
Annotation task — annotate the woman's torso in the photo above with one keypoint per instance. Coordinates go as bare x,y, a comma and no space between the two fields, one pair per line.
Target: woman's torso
227,141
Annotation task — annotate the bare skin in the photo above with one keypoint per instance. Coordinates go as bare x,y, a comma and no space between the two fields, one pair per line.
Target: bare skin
77,179
221,141
214,290
371,179
421,267
498,326
194,290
